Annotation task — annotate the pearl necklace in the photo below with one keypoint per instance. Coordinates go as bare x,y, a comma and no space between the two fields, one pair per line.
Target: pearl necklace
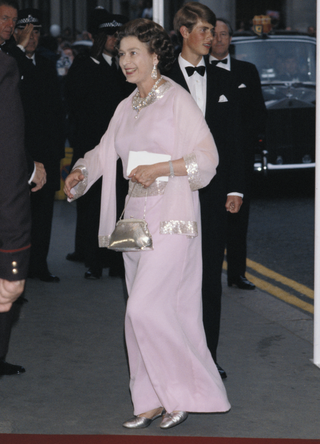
141,102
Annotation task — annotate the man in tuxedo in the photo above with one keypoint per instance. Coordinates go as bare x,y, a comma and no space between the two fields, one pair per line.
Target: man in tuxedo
94,88
194,24
242,80
44,131
15,218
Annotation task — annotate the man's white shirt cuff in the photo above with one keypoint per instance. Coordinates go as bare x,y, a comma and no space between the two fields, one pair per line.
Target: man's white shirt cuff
235,194
32,175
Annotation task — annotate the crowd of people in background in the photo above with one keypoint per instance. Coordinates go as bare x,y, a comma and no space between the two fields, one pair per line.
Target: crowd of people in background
64,45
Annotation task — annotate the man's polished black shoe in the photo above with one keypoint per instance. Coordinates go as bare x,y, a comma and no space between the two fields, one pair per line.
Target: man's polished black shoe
241,282
74,257
10,369
222,372
93,274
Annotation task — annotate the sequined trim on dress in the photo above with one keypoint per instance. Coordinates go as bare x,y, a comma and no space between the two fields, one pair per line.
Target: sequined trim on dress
193,171
80,188
155,189
104,241
162,89
156,94
189,228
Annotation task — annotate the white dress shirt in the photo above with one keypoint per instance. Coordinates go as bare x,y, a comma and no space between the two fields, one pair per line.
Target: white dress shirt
197,84
226,66
107,58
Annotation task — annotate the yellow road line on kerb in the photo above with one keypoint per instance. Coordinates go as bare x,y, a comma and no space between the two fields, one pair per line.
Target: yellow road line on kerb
279,278
280,294
276,291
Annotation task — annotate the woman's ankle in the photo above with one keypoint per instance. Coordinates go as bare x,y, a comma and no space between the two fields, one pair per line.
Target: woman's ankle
152,413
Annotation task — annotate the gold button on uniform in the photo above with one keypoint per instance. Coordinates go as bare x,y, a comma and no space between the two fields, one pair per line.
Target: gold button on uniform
14,271
14,264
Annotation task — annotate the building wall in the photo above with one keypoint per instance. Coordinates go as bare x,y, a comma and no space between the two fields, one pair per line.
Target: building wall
225,9
301,14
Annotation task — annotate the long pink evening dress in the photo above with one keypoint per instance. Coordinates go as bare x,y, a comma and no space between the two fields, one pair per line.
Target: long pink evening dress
170,364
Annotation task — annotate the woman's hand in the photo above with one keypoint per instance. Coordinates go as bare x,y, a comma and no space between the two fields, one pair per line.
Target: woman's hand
71,181
147,174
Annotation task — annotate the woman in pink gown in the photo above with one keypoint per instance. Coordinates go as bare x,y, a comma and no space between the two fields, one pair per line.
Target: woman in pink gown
171,369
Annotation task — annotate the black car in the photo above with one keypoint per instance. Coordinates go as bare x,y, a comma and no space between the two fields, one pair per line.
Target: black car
287,69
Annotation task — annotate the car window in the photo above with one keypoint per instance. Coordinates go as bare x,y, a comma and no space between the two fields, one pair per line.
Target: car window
279,60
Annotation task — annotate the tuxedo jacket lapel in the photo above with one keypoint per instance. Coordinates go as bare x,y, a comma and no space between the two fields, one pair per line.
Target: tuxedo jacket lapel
236,74
176,75
216,88
212,82
212,89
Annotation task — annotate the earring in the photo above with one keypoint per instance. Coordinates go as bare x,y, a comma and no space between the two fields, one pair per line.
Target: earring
154,72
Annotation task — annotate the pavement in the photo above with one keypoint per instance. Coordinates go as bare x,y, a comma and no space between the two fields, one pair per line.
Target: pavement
69,337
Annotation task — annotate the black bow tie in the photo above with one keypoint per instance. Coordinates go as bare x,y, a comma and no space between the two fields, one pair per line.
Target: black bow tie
215,62
191,69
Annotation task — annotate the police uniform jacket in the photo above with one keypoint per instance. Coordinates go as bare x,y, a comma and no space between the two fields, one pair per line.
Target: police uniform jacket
93,91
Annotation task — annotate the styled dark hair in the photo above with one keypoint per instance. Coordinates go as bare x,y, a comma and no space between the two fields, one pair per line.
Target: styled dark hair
155,37
190,14
12,3
219,19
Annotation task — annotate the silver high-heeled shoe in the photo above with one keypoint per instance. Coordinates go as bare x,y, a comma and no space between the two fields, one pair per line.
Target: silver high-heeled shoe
141,422
173,419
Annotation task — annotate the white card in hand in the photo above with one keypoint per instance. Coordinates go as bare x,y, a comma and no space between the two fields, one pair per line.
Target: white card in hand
137,158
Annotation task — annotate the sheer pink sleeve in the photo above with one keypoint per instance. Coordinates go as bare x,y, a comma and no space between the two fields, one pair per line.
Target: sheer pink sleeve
196,142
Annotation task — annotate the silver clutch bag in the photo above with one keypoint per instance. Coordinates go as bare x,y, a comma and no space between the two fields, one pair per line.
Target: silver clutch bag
131,234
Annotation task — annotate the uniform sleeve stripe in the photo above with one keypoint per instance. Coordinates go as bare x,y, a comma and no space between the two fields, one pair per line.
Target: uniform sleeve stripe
15,251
